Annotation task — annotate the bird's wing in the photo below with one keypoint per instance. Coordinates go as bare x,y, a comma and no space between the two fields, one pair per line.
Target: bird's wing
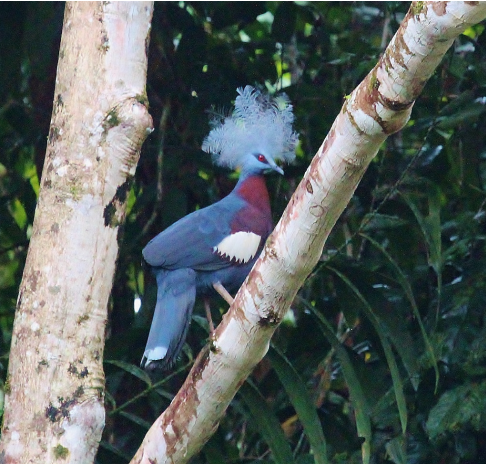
197,240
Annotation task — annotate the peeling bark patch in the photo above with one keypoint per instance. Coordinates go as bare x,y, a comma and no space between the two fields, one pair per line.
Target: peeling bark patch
105,42
201,365
239,314
271,253
213,346
439,8
54,134
272,319
184,405
56,414
253,279
147,44
52,413
54,289
55,228
328,141
394,104
308,187
270,250
398,56
59,101
368,97
374,81
23,334
113,210
80,374
19,299
42,363
33,280
82,319
354,124
317,211
293,211
79,392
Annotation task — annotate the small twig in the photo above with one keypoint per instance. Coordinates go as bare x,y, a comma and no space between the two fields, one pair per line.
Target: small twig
149,389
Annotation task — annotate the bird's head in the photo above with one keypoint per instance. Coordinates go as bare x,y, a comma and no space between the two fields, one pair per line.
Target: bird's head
256,135
257,162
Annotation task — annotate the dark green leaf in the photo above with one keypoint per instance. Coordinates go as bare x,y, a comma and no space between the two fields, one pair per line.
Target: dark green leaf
397,450
458,407
302,402
383,335
358,398
267,424
403,281
378,221
131,369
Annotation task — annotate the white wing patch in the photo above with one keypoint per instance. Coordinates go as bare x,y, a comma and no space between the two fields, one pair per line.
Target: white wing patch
240,246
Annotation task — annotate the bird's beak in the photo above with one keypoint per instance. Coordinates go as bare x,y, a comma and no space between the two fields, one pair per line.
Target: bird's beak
277,168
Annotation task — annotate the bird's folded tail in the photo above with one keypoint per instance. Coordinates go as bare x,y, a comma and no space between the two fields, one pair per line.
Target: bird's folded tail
176,294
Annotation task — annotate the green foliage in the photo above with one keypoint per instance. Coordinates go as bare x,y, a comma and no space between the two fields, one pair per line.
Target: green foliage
267,424
302,403
382,358
463,407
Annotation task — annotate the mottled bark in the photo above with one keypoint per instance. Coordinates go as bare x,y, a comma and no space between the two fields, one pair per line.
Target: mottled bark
379,106
54,409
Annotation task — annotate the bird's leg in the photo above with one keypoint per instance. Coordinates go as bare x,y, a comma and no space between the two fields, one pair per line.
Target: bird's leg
208,316
218,286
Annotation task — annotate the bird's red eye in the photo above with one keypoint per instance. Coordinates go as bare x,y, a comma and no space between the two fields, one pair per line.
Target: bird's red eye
262,159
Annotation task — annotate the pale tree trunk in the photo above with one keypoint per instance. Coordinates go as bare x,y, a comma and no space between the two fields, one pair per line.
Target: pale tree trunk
378,107
54,409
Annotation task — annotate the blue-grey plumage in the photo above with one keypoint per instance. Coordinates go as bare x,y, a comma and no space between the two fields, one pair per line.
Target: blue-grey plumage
218,245
176,294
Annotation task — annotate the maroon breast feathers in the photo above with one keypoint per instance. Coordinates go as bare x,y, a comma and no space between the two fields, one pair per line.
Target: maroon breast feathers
254,191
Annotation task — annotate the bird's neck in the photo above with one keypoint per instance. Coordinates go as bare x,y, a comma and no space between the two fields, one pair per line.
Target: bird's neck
253,189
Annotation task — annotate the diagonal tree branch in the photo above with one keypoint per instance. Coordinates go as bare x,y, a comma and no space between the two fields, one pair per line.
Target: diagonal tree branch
378,107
